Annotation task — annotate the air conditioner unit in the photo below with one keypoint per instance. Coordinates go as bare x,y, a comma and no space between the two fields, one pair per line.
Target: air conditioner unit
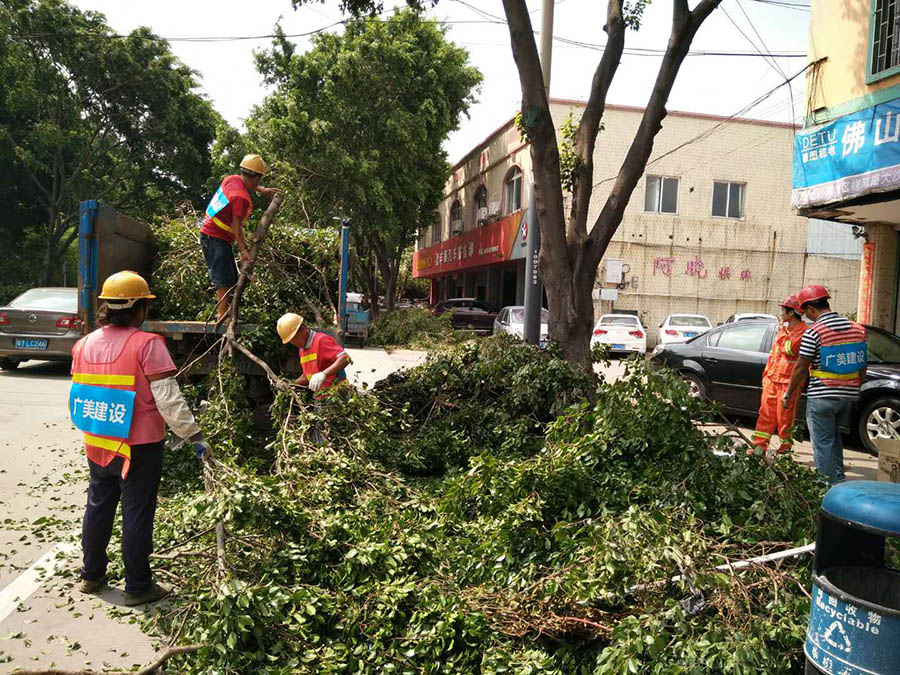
494,207
481,214
456,227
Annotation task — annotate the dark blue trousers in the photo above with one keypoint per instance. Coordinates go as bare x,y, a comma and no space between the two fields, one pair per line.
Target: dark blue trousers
138,494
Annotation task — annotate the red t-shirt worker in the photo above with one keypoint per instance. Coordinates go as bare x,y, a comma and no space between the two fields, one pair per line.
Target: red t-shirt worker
228,210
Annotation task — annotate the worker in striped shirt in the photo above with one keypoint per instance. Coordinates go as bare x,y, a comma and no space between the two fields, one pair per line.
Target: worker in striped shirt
834,354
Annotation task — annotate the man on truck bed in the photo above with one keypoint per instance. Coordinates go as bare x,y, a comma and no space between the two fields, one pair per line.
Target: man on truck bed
123,394
228,210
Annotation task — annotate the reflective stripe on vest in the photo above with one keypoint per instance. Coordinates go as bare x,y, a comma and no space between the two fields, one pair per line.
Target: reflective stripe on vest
118,447
309,357
222,225
825,375
93,378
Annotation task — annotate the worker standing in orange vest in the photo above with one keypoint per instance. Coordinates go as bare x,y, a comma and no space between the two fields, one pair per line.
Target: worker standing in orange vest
123,394
228,210
773,416
834,353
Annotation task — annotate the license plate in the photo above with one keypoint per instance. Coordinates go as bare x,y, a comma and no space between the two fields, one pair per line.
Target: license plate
690,335
618,346
30,344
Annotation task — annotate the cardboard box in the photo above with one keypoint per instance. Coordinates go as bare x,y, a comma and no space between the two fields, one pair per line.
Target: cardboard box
888,459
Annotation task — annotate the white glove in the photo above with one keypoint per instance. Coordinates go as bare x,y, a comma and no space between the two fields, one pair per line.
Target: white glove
316,381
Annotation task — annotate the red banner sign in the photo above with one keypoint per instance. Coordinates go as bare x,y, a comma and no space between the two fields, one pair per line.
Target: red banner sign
867,272
485,245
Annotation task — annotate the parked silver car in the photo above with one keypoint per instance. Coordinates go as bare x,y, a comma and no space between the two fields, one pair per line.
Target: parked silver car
511,320
42,324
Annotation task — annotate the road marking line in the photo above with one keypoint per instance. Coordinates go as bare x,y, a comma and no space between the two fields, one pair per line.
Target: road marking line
30,580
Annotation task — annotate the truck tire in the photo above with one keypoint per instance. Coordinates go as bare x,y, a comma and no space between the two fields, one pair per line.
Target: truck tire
879,418
8,364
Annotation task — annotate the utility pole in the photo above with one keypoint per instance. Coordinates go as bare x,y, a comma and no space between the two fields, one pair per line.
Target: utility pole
533,286
342,283
546,43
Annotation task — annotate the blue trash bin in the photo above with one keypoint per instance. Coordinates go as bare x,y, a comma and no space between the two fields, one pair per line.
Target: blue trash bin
854,620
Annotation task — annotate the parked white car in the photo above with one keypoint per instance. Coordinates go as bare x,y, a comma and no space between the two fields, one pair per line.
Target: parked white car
622,332
511,320
750,316
682,327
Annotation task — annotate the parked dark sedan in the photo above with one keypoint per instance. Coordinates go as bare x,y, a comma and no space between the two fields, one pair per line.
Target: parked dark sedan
468,314
726,365
42,323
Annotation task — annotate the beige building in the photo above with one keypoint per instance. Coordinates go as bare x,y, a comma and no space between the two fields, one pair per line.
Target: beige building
709,228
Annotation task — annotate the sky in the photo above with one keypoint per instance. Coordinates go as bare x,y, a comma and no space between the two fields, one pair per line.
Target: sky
713,84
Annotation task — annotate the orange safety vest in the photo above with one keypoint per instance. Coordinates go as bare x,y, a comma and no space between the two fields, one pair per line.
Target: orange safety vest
784,354
312,362
842,355
125,374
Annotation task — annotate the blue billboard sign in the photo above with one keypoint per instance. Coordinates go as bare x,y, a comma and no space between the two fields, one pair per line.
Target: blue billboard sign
854,155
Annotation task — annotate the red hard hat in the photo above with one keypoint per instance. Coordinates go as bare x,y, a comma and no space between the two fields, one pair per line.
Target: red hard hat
792,303
812,293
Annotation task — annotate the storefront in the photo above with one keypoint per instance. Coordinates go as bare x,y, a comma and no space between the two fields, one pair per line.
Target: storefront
848,171
487,263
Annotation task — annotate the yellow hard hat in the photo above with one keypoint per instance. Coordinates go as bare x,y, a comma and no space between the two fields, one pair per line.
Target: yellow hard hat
125,288
288,325
255,164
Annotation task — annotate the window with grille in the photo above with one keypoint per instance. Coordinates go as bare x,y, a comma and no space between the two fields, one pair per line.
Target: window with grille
481,205
728,200
661,195
885,34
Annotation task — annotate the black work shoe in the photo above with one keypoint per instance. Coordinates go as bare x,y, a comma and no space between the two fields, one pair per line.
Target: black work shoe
89,586
152,594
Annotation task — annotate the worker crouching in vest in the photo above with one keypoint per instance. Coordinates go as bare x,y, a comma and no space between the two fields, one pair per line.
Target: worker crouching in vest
774,418
322,360
123,394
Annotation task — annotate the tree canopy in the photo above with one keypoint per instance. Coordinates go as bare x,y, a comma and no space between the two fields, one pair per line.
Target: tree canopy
359,121
87,114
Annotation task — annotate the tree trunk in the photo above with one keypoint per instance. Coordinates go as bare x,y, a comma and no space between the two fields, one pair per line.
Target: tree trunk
389,273
50,254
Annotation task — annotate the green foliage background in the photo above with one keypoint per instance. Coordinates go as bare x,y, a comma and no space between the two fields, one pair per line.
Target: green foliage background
478,514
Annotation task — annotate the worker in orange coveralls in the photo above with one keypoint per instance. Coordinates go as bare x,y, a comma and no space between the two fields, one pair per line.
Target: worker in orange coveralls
773,416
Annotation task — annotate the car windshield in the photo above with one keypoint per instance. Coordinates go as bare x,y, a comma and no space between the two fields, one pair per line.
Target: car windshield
883,348
517,315
52,299
690,321
619,320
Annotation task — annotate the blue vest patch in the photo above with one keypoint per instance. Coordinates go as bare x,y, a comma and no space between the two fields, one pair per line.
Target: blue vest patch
218,202
844,359
101,411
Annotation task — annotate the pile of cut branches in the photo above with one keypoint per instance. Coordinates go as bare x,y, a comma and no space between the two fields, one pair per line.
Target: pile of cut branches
492,510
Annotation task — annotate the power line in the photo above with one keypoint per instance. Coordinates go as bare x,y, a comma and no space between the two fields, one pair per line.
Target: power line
708,132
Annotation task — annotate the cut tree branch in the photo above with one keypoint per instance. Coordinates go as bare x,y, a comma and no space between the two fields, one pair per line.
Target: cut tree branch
147,670
247,268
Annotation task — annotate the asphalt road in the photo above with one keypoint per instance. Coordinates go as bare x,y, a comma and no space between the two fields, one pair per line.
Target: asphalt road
44,620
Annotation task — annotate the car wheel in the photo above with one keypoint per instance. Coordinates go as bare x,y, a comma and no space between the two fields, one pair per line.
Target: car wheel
8,364
879,419
698,389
